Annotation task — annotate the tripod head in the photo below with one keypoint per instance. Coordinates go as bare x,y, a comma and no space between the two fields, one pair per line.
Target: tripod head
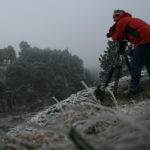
122,46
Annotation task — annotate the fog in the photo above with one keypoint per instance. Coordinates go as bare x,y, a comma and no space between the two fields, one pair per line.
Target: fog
79,25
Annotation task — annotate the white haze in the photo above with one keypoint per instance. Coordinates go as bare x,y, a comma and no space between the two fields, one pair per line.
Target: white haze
79,25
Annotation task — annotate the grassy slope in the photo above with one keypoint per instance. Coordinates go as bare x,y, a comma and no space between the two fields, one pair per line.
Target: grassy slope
122,127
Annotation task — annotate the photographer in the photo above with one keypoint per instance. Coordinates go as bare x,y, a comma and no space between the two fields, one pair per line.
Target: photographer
138,32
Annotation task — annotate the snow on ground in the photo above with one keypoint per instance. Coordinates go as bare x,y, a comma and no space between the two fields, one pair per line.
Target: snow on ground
40,117
123,127
81,96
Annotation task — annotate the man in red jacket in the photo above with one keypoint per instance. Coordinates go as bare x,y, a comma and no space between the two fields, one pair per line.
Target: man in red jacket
138,32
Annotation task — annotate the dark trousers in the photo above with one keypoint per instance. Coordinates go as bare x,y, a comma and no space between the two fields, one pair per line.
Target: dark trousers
141,57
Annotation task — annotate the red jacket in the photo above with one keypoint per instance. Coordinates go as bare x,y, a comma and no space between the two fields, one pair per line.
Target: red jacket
133,29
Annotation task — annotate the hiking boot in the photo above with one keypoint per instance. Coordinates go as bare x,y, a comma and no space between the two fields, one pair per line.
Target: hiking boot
132,88
130,91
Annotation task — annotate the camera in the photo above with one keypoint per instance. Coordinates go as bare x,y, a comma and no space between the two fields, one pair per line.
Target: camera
111,31
108,35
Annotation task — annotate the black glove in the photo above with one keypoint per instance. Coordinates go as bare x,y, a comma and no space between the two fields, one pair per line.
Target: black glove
112,29
108,35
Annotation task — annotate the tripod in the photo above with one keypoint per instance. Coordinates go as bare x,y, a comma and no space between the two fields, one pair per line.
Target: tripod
116,67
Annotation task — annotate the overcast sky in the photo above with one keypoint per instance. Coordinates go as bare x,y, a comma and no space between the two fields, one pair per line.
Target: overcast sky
79,25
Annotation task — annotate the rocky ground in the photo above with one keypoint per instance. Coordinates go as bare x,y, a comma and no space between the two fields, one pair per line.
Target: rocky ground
121,123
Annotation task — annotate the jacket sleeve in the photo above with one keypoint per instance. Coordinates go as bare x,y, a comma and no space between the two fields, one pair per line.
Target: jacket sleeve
112,29
119,34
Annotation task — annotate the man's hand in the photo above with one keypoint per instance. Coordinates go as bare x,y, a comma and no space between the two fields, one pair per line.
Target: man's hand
111,30
108,35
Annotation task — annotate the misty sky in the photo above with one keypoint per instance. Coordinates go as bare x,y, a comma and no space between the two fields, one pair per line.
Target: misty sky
79,25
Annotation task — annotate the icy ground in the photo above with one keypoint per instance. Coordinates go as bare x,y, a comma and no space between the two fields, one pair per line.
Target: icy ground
40,118
82,96
121,127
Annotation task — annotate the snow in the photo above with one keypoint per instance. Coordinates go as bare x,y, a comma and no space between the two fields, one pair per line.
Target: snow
40,118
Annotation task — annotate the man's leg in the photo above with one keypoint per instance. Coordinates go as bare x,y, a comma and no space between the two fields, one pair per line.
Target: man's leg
138,60
147,64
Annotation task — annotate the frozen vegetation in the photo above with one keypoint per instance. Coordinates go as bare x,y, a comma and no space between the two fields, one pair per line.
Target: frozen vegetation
125,125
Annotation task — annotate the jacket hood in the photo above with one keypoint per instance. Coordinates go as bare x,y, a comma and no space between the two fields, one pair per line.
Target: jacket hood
122,15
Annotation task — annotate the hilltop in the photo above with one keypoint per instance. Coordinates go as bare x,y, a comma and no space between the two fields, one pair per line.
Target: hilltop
123,125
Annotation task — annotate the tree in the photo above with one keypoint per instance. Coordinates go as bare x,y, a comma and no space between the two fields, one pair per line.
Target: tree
24,45
43,73
2,56
107,59
10,54
7,55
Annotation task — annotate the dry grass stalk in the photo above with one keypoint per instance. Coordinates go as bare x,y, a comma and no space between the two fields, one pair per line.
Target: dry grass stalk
85,85
113,97
67,117
59,104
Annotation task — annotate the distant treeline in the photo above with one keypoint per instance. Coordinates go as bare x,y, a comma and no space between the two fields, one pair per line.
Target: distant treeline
36,75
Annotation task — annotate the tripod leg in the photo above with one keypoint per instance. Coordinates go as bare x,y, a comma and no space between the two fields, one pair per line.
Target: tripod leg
111,72
127,61
115,90
117,76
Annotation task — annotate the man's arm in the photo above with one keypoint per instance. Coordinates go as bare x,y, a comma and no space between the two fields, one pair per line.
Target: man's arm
120,33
